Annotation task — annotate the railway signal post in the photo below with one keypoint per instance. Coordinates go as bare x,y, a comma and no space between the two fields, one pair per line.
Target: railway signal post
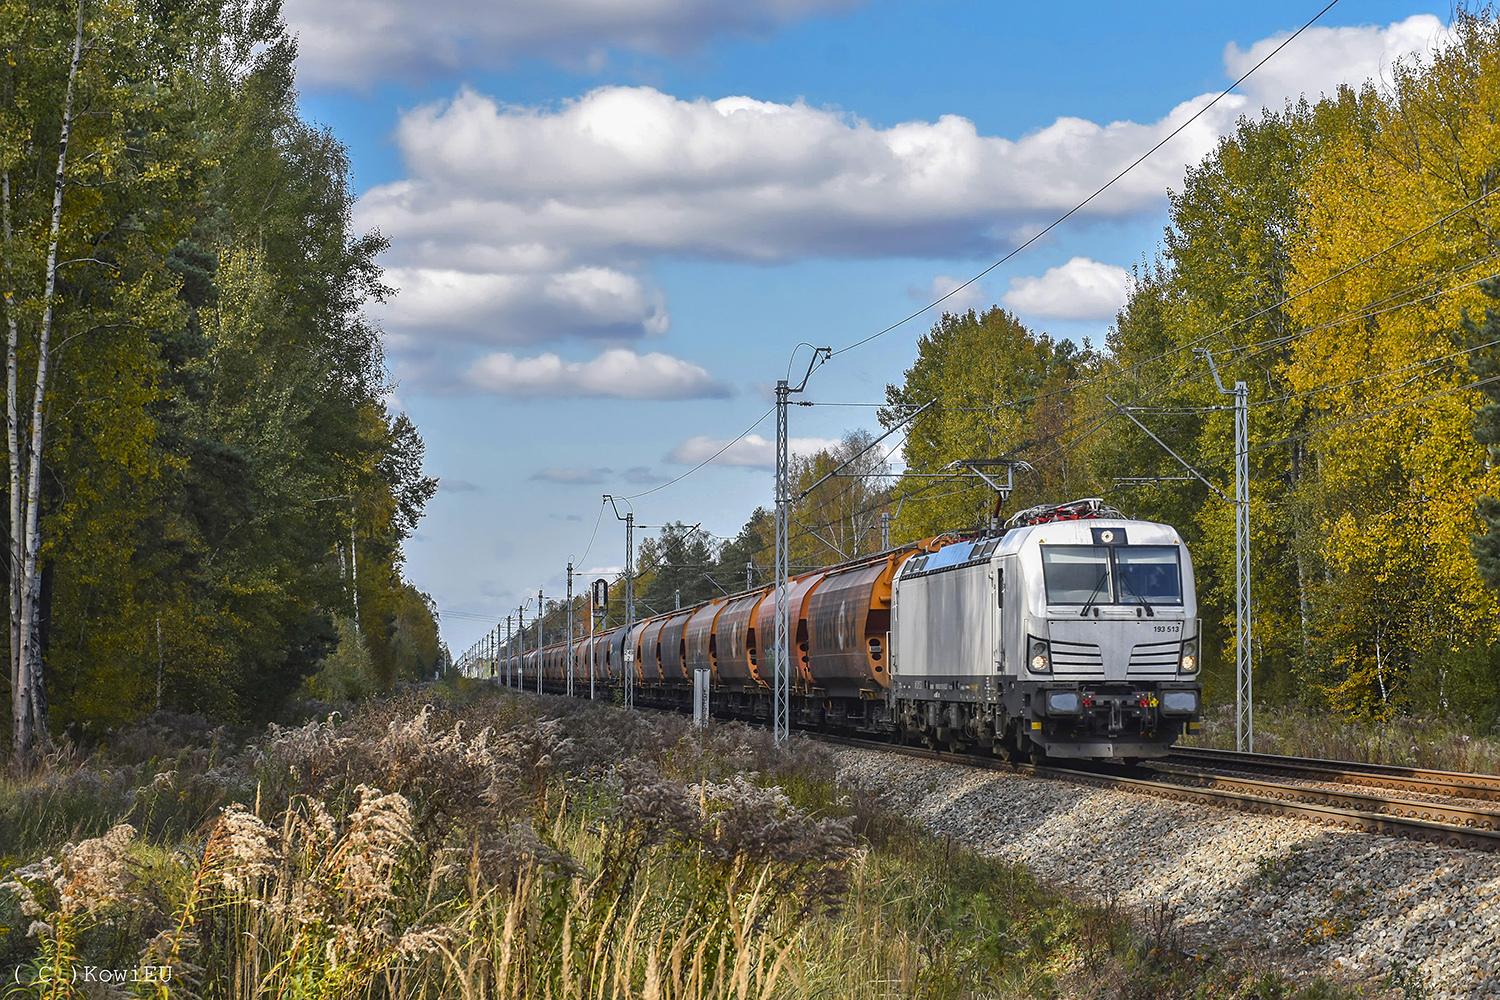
599,607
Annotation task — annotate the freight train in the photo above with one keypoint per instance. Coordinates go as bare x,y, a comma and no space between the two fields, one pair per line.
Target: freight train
1070,633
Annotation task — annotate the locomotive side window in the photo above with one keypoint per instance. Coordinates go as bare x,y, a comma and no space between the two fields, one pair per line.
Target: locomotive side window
1076,574
1149,573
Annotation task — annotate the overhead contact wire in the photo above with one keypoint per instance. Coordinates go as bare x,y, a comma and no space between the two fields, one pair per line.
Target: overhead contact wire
727,445
1105,187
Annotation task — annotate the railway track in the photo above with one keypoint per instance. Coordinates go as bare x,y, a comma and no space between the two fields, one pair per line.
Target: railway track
1391,815
1452,784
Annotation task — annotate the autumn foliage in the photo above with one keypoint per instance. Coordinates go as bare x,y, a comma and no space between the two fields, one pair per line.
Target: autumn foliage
1334,257
213,457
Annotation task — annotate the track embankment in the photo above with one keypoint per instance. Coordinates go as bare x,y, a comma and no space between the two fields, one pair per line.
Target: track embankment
1274,890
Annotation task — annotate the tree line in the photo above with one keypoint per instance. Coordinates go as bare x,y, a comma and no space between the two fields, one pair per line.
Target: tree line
1342,259
204,481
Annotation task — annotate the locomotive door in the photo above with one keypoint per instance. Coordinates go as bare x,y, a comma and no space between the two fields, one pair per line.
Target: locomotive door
996,606
1010,597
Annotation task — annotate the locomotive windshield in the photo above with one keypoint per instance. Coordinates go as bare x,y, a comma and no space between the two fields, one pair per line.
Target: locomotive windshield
1118,574
1076,573
1149,573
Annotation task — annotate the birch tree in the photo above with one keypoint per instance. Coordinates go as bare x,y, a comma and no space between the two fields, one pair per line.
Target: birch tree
90,171
28,694
189,372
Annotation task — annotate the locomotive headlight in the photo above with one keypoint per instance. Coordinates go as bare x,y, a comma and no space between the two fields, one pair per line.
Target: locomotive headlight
1040,662
1190,656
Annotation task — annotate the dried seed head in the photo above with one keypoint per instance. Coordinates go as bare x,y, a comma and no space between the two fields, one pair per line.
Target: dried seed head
379,832
425,940
95,872
248,851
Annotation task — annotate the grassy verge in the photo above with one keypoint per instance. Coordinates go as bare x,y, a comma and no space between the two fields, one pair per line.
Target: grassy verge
1406,741
469,843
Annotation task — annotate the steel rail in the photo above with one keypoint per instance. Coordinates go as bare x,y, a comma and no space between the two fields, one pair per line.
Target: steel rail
1453,784
1287,800
1384,805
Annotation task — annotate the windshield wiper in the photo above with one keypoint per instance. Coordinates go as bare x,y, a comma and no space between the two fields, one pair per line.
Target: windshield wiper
1125,582
1103,577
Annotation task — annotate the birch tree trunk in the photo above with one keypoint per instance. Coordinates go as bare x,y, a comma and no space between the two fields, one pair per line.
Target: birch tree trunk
29,667
20,692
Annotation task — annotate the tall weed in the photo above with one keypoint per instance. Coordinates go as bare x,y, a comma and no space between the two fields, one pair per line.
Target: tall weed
495,846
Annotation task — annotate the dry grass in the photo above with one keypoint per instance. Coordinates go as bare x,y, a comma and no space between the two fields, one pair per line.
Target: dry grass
511,847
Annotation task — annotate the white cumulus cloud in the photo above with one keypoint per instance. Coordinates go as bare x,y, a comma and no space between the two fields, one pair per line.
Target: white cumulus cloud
629,171
1323,58
527,224
615,374
1079,289
355,42
510,308
752,450
625,172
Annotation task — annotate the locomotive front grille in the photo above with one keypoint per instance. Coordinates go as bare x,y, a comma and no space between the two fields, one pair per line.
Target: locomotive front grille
1155,655
1076,656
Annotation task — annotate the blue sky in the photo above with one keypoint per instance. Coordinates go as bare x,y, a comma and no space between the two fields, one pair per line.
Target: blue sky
613,221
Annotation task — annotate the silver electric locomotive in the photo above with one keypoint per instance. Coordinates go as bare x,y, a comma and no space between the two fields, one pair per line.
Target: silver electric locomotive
1075,633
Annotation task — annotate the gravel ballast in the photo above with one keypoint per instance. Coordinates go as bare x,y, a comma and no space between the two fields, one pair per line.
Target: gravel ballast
1288,893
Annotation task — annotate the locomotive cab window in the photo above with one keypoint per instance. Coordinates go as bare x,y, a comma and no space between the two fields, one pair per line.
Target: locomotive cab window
1149,573
1074,574
1117,574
